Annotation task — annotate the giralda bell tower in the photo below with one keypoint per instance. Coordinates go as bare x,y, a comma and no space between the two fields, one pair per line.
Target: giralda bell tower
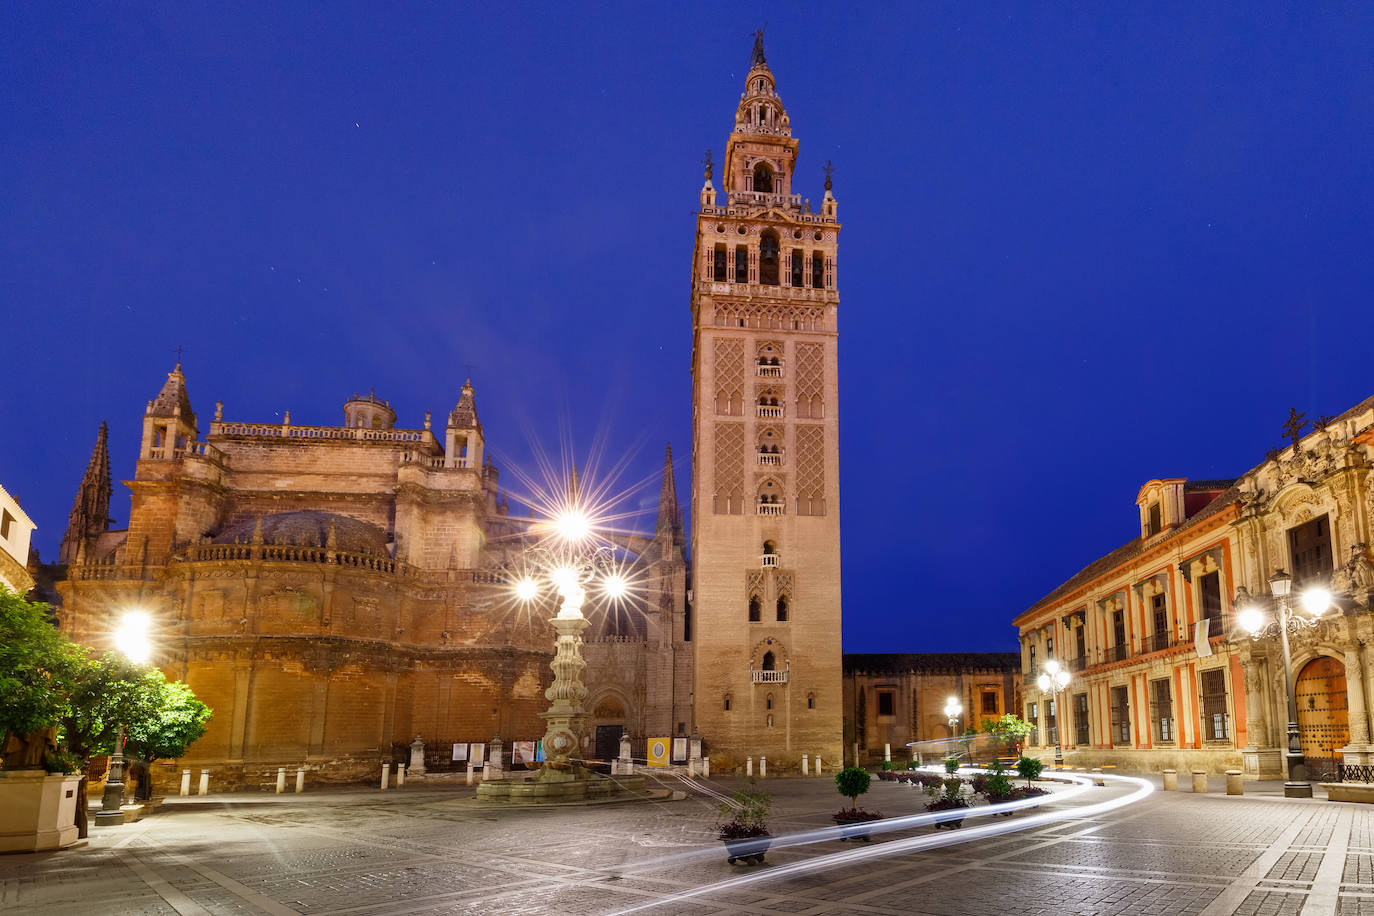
765,467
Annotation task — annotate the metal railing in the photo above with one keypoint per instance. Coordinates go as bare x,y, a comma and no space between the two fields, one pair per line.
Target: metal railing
1355,772
1158,642
1117,653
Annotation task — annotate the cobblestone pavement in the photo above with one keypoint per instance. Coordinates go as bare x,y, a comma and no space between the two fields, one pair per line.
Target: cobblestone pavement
426,849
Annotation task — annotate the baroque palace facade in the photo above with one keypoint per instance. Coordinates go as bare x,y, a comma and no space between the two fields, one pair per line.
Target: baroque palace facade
1162,673
333,591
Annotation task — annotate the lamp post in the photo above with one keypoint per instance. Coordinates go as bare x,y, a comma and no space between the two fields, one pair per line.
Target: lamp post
1286,620
569,563
1052,682
953,710
131,641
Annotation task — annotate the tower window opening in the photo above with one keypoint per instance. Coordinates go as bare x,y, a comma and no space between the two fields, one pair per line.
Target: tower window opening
760,85
755,609
768,663
810,701
741,266
719,265
727,702
817,270
782,610
798,266
768,258
769,701
763,178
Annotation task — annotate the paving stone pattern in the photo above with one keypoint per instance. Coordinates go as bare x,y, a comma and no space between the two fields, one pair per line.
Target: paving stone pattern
430,850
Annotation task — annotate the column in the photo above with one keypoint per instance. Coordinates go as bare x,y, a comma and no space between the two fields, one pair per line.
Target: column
1358,750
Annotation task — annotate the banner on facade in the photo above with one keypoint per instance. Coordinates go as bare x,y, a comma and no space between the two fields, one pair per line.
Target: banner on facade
479,754
521,752
460,752
1200,642
679,750
658,752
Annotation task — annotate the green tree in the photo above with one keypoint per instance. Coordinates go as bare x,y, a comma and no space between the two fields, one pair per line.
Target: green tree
168,718
1010,725
38,670
852,782
1029,768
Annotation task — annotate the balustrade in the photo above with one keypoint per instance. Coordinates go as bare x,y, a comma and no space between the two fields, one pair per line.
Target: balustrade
768,677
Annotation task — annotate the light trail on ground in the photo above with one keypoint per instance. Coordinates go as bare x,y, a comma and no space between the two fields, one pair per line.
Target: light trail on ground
914,844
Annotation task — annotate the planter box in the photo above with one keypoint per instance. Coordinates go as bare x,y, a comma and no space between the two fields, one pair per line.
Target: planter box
750,849
37,810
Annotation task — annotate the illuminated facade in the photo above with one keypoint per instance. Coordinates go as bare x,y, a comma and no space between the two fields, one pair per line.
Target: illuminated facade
331,591
765,471
1162,673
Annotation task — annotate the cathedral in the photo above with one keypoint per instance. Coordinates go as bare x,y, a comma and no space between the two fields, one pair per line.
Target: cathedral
332,591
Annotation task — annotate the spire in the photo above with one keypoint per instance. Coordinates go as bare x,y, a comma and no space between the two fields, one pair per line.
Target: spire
667,496
758,59
172,400
574,487
464,414
90,514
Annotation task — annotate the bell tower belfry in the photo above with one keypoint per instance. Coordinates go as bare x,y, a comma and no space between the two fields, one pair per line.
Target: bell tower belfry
765,469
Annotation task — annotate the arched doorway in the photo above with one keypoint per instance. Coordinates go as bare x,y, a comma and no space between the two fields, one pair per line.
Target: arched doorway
1323,719
609,718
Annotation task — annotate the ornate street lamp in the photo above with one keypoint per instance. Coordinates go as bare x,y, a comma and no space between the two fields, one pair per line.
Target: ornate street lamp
1052,682
131,641
1315,602
569,562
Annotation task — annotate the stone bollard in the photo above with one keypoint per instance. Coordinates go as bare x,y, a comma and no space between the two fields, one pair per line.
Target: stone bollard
469,772
763,768
185,783
281,780
495,759
691,768
748,766
400,775
386,775
1200,781
806,765
417,758
818,764
706,768
1171,780
300,780
887,753
204,782
1235,782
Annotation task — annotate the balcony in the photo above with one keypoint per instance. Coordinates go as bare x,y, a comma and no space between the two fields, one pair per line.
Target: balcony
770,459
1077,663
1159,642
768,677
769,371
770,411
1118,653
769,561
763,508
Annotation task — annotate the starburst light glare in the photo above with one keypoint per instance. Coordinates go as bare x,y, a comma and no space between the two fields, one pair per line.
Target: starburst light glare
131,639
1315,601
1051,667
1251,618
563,578
526,589
573,525
615,586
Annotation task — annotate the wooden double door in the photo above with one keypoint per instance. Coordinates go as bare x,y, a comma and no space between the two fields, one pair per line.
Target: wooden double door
1323,715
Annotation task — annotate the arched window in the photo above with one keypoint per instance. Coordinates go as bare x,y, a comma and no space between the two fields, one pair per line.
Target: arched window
782,608
718,264
810,701
770,547
741,265
763,178
768,662
755,609
817,270
768,258
769,701
727,702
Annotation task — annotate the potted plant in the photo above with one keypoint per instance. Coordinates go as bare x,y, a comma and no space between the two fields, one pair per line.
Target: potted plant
996,786
851,782
745,834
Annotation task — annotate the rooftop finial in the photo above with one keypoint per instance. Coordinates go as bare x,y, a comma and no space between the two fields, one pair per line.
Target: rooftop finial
828,169
709,163
758,57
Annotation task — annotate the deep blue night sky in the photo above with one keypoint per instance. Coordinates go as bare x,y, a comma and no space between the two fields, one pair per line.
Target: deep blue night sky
1081,249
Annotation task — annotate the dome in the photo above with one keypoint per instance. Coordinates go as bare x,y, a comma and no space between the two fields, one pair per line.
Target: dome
308,528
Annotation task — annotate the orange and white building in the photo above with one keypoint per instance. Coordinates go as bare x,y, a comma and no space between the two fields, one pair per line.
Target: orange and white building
1161,673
